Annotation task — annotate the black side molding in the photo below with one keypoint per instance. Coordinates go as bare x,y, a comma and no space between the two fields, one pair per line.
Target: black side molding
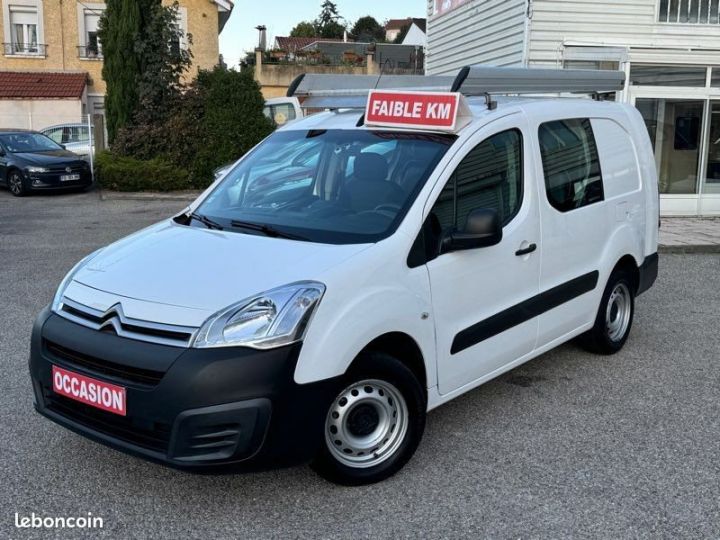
524,311
648,273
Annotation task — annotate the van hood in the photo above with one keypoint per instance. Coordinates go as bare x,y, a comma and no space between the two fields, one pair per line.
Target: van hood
205,269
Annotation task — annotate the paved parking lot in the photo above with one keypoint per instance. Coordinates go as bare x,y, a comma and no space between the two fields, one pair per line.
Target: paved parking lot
569,445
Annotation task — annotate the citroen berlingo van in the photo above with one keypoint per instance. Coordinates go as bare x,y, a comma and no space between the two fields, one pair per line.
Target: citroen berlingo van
357,269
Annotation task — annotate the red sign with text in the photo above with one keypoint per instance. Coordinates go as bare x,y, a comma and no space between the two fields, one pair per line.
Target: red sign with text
102,395
429,110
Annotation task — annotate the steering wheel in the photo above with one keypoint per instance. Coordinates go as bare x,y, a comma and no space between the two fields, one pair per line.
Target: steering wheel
388,206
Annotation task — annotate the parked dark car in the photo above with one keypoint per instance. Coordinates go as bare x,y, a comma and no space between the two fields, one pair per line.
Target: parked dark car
30,161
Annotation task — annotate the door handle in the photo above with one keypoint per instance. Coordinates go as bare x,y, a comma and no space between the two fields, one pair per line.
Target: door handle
526,251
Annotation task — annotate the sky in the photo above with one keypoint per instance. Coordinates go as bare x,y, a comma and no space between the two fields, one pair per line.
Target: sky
280,16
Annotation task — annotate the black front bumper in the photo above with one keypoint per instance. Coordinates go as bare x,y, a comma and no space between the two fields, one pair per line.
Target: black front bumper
51,181
189,408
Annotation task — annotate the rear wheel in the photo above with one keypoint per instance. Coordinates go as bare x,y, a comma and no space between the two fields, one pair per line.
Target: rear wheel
16,184
374,423
614,318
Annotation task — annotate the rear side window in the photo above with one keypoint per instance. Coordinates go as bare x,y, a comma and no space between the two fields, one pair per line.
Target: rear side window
571,164
490,176
619,159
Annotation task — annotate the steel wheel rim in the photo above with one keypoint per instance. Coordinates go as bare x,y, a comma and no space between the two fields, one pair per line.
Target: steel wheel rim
15,183
617,314
350,434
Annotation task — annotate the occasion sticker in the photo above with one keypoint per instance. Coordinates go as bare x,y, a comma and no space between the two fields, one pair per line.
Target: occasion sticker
102,395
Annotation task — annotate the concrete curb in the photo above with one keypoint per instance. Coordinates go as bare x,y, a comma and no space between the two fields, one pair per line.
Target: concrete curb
689,249
188,196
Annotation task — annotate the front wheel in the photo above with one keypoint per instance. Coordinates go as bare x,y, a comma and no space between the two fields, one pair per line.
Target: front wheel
374,423
16,184
614,318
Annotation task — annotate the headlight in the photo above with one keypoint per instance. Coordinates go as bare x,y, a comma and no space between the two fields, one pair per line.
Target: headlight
57,300
271,319
37,169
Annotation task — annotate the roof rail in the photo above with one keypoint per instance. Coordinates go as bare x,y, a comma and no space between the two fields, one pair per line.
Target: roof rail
329,91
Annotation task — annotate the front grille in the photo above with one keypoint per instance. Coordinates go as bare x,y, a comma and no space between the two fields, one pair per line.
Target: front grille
75,168
114,320
153,436
126,374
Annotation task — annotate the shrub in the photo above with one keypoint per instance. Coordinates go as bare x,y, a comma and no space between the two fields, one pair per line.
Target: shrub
215,121
122,173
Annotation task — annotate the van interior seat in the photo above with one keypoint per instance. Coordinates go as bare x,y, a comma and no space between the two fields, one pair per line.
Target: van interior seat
369,188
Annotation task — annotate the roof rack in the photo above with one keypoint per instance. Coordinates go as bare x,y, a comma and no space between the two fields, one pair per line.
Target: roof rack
350,91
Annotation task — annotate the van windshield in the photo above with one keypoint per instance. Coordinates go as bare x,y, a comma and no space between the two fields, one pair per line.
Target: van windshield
328,186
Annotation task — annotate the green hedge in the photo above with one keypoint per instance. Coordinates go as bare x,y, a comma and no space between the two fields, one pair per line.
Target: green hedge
120,173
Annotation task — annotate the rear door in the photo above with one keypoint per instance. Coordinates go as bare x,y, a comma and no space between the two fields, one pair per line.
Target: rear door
478,295
575,225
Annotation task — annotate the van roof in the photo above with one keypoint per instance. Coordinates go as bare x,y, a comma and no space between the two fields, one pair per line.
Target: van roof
481,114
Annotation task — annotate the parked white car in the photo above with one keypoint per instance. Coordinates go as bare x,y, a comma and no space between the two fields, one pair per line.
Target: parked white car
282,110
75,137
431,244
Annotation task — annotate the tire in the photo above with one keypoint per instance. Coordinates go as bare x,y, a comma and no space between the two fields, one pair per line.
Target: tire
374,423
614,318
16,183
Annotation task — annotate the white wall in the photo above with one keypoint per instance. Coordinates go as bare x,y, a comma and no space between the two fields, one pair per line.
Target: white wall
628,23
39,113
415,36
477,32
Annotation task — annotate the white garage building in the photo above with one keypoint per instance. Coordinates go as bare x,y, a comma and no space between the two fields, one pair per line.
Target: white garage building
670,50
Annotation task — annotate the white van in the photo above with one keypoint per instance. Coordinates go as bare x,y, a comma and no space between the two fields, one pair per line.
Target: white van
357,269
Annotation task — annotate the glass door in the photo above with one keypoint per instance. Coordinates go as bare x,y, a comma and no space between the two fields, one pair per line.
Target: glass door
675,127
710,187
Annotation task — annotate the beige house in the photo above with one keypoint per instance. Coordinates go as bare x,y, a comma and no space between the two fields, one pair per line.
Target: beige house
60,36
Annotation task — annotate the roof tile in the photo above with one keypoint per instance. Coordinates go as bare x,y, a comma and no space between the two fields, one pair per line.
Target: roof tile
41,84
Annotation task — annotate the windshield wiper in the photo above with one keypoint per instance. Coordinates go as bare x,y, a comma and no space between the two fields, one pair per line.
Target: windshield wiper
209,223
266,230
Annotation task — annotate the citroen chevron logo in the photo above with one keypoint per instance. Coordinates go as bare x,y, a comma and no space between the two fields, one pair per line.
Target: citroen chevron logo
113,318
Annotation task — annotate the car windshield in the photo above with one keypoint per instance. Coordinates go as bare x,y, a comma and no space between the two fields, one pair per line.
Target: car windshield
28,142
328,186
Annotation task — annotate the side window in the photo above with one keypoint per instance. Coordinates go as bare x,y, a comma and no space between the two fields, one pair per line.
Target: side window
490,176
55,134
283,113
571,164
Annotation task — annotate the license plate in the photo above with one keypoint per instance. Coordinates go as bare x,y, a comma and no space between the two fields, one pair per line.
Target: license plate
69,177
99,394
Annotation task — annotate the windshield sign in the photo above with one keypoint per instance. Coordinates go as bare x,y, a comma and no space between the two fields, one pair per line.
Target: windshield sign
28,142
328,186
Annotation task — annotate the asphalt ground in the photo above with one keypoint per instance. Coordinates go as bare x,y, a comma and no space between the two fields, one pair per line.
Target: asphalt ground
568,445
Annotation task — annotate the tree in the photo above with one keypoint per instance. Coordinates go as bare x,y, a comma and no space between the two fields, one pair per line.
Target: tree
165,59
303,29
368,29
332,30
328,13
231,122
327,25
143,62
120,25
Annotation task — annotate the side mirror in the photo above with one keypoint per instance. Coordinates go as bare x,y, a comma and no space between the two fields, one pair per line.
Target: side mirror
482,229
63,147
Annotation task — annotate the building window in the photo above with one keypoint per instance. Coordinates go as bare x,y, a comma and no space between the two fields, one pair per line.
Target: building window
689,11
571,164
685,76
88,24
490,176
23,26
